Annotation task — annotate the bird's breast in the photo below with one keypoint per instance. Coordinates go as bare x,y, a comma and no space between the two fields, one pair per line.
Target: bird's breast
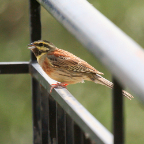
45,64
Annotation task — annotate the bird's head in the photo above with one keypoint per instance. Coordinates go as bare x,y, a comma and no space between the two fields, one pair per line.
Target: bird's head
41,47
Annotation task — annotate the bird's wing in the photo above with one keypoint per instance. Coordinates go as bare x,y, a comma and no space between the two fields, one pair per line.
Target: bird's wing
70,62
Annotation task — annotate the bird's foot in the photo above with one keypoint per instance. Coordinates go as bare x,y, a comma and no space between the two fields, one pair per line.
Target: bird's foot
57,85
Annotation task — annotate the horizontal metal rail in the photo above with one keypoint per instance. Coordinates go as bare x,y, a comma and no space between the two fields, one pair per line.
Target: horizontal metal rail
14,67
95,130
118,52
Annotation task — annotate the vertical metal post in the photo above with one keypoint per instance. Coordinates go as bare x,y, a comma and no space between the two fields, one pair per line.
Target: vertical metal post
69,130
35,34
45,115
78,135
52,120
118,118
61,125
35,23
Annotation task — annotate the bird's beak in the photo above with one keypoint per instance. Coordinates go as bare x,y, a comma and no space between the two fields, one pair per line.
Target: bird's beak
31,46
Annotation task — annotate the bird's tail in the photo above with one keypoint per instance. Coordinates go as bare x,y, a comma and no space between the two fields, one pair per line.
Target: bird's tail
100,80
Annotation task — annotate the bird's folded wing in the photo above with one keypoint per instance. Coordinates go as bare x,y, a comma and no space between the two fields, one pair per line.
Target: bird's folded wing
72,64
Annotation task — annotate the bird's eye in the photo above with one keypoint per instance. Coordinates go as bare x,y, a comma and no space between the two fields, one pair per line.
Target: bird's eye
40,44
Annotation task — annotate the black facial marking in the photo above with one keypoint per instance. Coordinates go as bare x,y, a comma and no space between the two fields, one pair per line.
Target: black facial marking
47,43
47,46
36,52
40,44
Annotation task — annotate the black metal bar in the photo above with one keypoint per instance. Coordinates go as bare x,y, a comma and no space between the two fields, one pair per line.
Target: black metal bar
78,135
118,116
35,34
14,67
61,125
45,115
69,130
36,113
52,120
35,23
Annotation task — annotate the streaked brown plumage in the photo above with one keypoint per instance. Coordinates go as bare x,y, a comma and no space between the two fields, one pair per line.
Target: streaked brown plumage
65,67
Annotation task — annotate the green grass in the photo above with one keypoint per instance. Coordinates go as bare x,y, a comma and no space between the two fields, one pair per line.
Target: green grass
15,90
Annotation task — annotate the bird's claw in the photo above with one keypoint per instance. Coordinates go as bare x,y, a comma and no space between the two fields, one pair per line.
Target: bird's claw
57,85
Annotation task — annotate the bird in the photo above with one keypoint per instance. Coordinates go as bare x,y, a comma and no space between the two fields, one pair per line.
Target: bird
65,67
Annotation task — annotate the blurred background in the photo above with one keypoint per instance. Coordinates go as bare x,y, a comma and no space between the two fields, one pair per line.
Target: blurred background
15,90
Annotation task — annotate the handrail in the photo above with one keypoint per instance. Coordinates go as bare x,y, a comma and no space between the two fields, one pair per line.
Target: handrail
117,51
80,115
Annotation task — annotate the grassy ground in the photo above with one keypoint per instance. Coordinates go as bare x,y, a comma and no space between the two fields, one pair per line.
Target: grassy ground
15,90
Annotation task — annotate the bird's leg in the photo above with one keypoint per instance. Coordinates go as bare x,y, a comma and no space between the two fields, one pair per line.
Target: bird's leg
57,85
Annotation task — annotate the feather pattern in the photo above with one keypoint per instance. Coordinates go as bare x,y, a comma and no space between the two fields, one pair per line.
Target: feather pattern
65,60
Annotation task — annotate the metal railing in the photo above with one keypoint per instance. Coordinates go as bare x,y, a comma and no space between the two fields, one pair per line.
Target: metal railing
59,117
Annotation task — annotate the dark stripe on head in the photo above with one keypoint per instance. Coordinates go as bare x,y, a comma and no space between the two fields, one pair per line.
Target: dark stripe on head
38,44
46,45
